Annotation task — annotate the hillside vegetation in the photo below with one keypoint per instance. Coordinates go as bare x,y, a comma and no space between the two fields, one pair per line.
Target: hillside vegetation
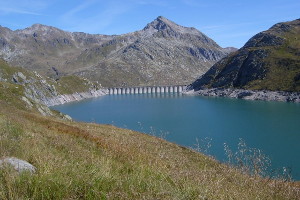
91,161
40,89
268,61
65,85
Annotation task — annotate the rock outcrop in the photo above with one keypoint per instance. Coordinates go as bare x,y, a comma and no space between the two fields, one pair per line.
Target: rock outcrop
163,53
19,165
66,98
263,95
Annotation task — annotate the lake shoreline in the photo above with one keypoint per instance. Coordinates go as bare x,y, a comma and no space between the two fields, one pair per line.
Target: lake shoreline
264,95
78,96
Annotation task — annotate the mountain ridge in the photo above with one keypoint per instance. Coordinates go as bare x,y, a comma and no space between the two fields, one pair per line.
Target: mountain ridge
162,53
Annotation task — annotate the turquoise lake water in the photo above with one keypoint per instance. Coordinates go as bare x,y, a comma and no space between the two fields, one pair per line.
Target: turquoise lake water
273,127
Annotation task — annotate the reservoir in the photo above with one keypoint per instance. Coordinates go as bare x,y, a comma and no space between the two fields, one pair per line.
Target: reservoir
205,122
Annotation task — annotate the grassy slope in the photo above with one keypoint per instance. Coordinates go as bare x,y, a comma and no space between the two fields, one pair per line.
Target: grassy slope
283,65
72,84
65,85
248,69
91,161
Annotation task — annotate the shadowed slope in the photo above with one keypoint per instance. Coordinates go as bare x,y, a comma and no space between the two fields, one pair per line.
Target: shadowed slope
269,61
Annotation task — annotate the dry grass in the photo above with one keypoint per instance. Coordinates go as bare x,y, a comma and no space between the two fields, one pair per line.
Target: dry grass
91,161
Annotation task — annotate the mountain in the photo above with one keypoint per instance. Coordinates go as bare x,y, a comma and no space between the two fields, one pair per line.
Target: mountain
268,61
163,53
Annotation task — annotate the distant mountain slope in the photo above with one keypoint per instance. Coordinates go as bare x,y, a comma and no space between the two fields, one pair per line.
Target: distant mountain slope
268,61
162,53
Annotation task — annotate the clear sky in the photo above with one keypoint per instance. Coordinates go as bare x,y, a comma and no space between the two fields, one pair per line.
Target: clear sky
228,22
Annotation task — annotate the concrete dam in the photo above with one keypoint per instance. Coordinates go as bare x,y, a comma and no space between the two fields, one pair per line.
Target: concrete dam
147,90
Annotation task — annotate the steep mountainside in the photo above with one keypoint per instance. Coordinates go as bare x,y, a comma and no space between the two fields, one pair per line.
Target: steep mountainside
162,53
41,90
268,61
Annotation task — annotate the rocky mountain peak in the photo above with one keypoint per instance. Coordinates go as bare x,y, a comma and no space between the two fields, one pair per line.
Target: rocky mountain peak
162,24
41,29
4,31
37,27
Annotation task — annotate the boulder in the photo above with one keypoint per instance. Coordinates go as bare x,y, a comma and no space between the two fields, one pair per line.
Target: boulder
18,165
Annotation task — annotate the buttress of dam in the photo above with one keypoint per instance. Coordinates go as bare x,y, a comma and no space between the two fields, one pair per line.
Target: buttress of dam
147,90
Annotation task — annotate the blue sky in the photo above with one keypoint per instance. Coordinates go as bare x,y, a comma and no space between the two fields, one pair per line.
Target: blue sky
228,22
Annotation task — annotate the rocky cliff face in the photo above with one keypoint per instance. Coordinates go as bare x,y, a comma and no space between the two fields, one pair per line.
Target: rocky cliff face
268,61
163,53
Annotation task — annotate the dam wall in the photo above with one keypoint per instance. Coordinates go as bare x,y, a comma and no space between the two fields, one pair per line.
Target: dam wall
147,90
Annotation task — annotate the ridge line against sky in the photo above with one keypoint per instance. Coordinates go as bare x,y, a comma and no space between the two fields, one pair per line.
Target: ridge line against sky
229,23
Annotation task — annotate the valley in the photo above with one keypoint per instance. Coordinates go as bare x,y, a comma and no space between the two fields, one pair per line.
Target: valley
156,75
